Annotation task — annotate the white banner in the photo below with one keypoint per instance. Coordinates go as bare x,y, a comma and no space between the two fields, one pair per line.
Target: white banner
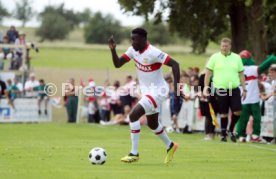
26,110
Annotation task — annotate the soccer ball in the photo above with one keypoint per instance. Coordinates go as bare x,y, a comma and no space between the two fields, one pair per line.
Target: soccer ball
97,156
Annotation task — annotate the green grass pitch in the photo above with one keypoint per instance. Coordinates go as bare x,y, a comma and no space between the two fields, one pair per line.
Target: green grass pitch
100,59
59,150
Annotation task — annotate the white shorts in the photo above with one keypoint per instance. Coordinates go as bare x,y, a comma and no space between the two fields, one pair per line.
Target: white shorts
152,103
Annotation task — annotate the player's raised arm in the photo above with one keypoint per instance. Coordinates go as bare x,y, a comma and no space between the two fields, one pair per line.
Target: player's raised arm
176,72
118,62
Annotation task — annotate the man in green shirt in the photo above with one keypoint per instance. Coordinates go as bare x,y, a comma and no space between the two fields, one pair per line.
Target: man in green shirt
227,70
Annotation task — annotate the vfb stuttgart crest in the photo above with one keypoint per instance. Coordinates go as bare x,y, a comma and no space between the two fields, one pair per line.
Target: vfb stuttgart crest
145,61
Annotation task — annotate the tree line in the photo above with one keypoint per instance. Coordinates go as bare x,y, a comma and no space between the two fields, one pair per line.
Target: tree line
250,23
57,22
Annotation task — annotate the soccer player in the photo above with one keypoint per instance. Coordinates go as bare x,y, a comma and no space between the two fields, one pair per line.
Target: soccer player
154,89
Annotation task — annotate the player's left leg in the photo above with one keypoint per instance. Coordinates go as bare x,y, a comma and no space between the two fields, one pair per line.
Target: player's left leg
157,128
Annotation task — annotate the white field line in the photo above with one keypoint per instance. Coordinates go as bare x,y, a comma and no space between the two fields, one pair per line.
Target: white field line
264,148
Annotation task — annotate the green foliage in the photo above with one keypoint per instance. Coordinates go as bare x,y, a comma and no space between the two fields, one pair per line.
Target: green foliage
3,12
158,33
204,21
23,11
140,7
100,28
53,27
72,18
270,17
57,22
190,18
85,15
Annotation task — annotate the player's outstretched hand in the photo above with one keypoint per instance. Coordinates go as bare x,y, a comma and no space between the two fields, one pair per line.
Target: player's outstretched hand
111,43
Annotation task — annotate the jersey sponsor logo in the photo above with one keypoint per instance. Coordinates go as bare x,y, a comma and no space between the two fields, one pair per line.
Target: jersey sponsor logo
148,68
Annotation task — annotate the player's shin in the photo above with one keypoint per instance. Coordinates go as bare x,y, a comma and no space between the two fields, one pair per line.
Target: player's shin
135,135
161,133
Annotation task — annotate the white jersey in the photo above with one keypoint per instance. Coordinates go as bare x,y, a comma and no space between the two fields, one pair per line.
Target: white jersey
29,85
252,87
148,64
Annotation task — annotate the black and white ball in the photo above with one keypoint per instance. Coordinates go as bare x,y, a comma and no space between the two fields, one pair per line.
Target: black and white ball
97,156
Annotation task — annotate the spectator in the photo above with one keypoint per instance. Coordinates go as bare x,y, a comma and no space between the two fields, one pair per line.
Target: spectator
1,37
71,101
12,34
6,53
186,113
11,93
41,90
266,93
29,85
19,51
190,71
104,105
272,74
126,98
205,110
19,86
175,104
115,102
119,119
92,105
3,88
196,71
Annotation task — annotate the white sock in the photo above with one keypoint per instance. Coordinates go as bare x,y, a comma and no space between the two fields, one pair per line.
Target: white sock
162,135
135,134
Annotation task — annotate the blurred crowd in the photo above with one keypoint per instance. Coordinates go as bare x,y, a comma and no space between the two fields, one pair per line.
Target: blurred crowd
14,55
11,89
184,112
114,108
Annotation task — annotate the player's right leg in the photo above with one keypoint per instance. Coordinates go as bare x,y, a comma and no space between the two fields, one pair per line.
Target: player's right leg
157,128
135,127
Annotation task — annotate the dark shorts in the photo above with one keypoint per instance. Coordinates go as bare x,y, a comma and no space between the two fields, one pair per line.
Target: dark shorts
41,97
126,100
228,98
204,107
116,109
